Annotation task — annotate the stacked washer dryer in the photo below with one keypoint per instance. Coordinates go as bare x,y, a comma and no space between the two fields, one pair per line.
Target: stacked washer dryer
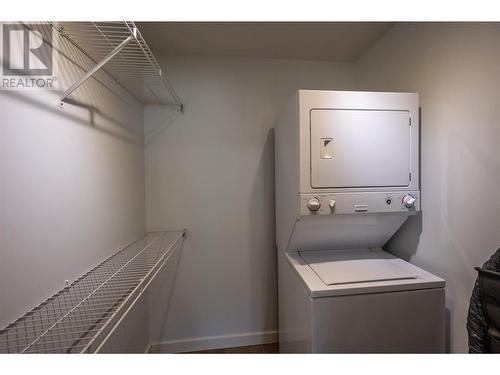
347,177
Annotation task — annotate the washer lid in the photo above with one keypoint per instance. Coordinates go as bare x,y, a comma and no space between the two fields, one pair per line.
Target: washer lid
356,266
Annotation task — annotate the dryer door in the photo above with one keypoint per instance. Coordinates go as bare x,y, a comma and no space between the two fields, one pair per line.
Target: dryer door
360,148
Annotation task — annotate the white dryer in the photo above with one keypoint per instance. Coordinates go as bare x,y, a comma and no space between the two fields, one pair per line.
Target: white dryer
347,177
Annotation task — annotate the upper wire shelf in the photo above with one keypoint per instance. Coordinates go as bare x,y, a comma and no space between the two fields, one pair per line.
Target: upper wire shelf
119,49
80,317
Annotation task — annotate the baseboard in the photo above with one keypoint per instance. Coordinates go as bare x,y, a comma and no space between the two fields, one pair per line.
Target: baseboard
214,342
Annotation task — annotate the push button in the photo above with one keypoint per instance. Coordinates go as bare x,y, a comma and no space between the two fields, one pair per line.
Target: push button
331,204
361,208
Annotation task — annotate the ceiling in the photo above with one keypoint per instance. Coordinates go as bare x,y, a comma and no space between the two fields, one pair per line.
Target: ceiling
333,41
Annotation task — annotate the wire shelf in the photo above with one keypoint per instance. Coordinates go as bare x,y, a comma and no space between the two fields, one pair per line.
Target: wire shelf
120,47
78,318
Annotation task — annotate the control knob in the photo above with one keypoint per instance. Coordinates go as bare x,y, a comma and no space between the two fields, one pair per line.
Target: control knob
313,204
409,201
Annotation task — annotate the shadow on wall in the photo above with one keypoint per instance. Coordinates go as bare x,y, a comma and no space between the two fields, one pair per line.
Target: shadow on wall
160,297
262,227
447,323
404,244
410,232
125,134
157,118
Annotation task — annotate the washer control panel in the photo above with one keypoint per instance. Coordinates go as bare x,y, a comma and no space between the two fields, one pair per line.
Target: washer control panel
350,203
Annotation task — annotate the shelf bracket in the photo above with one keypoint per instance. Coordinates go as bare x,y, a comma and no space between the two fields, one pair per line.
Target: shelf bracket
98,66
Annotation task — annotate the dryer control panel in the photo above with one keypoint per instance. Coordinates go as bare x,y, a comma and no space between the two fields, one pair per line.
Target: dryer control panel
352,203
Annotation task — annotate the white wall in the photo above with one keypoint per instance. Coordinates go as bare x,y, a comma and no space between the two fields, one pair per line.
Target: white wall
71,184
211,170
455,68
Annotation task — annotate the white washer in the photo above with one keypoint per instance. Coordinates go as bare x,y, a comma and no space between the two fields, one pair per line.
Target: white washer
346,180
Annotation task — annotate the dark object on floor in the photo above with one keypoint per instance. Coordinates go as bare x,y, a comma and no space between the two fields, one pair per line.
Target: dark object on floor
483,319
252,349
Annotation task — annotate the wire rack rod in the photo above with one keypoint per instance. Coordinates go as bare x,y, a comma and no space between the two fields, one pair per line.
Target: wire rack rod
80,317
120,50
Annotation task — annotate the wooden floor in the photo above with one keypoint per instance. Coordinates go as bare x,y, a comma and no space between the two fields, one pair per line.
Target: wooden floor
253,349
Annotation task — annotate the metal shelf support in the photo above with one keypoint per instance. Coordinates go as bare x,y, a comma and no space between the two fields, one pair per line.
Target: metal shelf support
119,50
98,66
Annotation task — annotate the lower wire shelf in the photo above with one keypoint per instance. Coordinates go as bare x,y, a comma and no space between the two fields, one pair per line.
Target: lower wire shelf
80,317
